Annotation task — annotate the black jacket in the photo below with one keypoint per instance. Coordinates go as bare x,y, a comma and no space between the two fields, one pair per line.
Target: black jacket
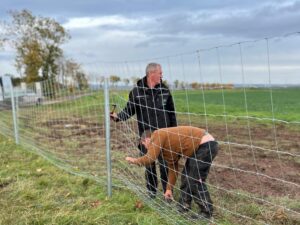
154,107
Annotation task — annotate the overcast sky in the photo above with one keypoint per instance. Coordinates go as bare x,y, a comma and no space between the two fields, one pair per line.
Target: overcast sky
135,32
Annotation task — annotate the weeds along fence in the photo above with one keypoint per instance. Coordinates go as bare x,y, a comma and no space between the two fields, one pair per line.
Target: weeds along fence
255,177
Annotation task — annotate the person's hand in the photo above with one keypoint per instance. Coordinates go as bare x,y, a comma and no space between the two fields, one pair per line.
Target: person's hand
146,142
114,116
168,195
130,160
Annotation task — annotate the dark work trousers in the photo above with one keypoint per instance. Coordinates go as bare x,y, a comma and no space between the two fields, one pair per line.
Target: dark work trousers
194,175
150,173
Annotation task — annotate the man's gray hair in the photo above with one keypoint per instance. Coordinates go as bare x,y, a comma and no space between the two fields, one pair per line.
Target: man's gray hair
151,67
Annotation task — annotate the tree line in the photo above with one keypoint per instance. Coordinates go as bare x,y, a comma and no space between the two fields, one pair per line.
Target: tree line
177,84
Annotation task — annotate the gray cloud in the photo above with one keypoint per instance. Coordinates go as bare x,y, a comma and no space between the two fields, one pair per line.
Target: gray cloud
170,27
107,7
159,40
229,18
268,20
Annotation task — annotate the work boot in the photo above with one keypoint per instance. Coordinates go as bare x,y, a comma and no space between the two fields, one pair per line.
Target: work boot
205,215
201,216
184,207
151,194
205,210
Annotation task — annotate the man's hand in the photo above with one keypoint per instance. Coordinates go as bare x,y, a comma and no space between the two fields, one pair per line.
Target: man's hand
131,160
168,195
114,116
146,142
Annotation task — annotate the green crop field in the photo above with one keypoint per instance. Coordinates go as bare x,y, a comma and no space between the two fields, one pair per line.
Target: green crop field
238,102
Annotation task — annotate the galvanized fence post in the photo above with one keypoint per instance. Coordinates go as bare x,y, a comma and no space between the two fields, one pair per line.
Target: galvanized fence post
14,112
107,137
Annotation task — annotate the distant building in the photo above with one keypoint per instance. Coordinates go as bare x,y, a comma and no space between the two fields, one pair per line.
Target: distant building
5,86
25,95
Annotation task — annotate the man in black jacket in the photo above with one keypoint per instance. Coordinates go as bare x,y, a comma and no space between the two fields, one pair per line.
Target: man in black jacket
153,105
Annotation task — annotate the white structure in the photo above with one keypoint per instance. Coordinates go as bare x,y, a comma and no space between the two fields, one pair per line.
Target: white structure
25,94
5,87
38,89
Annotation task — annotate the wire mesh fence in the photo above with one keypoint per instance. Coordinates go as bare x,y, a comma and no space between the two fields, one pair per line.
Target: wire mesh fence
255,176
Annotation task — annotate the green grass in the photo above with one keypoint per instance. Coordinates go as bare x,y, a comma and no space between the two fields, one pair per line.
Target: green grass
33,191
280,103
255,102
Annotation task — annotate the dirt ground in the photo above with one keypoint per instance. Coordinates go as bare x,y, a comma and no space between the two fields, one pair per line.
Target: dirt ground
271,168
260,159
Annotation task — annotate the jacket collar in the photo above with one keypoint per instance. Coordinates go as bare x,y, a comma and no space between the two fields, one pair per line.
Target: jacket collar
143,83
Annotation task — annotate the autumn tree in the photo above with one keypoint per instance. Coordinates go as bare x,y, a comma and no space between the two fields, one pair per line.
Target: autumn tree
37,42
114,79
228,86
195,85
29,54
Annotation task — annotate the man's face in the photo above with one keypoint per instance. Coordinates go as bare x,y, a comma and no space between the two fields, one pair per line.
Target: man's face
156,75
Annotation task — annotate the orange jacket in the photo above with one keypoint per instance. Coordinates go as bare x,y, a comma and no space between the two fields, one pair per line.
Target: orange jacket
172,142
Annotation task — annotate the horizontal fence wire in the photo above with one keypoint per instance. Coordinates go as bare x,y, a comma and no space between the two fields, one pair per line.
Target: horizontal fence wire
238,98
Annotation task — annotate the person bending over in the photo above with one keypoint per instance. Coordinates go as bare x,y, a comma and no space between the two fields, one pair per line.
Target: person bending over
199,147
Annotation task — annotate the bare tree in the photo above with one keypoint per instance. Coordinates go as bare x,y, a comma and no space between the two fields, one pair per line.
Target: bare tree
101,80
176,84
126,81
75,75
